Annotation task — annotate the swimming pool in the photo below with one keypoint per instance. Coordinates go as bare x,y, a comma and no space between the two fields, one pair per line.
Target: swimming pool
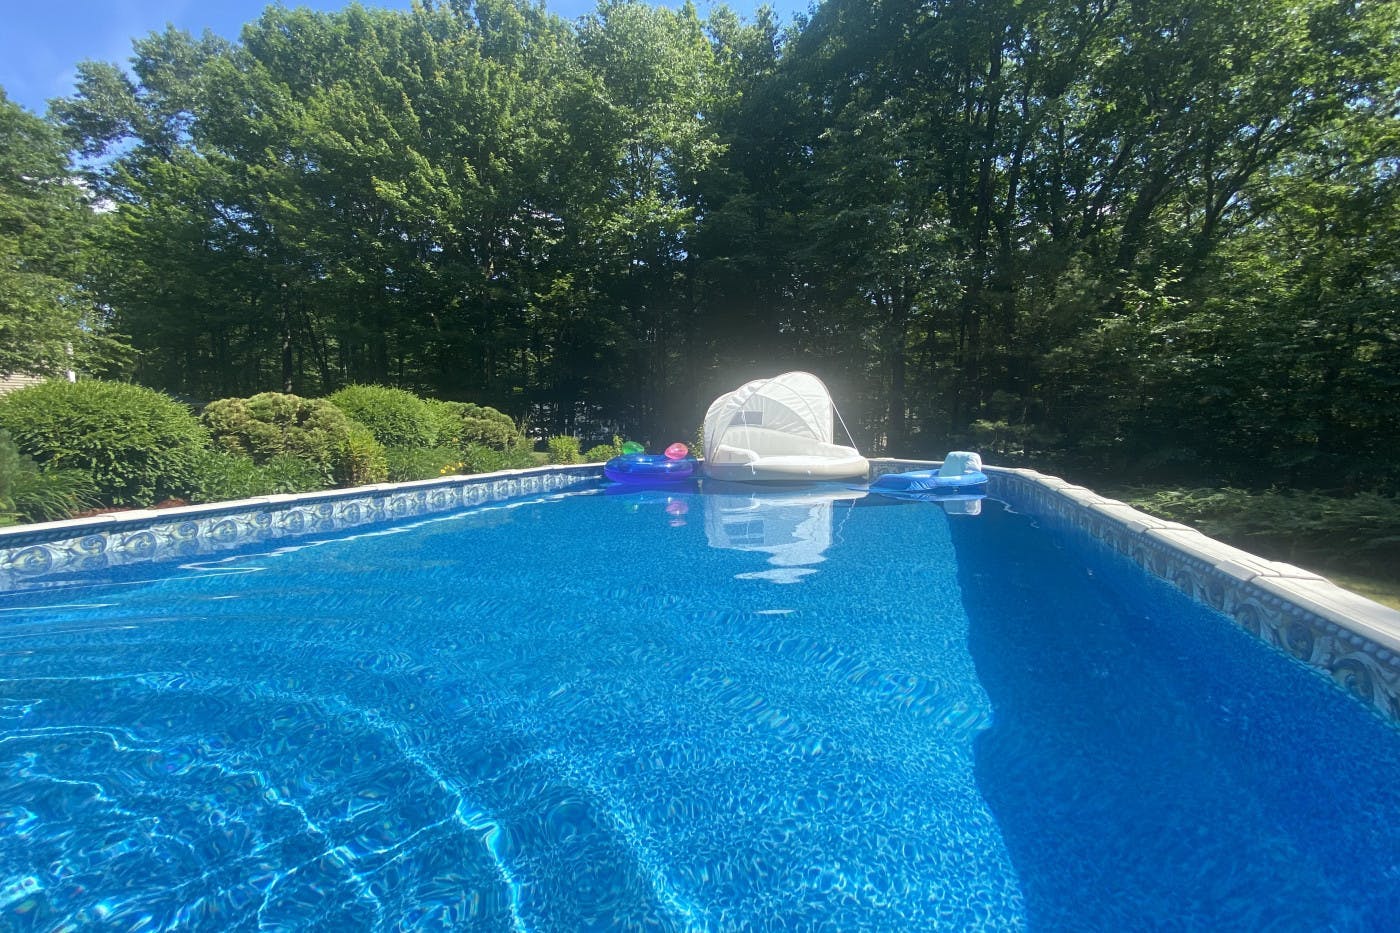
745,709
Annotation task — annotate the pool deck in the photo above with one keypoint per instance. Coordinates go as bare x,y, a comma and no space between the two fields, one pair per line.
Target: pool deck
1350,638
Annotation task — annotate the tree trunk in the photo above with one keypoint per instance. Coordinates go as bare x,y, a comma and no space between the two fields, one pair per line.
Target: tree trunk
288,343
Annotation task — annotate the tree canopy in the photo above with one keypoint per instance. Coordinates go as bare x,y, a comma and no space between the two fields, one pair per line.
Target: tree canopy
1156,238
46,325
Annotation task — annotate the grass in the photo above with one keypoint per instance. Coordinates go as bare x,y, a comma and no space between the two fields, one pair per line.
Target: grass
1353,541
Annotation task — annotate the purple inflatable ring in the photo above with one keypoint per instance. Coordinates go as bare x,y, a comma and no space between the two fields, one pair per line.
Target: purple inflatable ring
649,468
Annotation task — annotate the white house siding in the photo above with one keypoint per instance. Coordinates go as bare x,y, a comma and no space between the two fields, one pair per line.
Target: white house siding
17,381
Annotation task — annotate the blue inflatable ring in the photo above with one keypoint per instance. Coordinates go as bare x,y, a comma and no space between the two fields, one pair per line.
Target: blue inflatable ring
649,469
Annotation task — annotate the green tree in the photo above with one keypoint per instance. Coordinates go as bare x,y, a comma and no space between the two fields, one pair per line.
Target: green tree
46,324
1014,214
329,200
1152,237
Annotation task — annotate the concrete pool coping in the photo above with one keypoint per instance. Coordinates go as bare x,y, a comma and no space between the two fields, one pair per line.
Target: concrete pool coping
1352,639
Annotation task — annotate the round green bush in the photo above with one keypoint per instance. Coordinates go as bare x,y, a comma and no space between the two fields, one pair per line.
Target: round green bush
487,413
137,445
461,424
364,460
564,449
447,422
489,431
273,425
600,454
396,417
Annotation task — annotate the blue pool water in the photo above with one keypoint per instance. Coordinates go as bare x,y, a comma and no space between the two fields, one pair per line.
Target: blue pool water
749,710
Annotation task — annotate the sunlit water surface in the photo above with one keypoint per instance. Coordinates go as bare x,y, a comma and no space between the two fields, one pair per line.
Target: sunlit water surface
747,710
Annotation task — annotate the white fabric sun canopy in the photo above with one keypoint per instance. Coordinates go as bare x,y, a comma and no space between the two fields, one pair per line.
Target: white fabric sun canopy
777,429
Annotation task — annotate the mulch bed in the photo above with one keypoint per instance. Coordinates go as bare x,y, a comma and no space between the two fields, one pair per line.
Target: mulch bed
164,504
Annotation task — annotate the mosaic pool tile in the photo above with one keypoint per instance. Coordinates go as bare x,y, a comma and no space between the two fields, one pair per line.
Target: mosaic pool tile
31,555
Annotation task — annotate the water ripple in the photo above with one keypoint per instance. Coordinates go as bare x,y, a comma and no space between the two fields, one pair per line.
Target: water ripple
569,714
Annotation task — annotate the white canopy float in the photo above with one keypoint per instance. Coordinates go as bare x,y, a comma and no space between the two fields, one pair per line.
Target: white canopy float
778,429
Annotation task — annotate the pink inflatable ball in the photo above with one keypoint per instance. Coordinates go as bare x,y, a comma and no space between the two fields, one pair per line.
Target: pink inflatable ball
677,451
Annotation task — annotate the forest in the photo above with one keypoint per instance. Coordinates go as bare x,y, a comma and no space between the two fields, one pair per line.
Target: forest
1151,240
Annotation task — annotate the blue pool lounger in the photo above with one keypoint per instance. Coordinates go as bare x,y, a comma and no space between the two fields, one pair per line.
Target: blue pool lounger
961,474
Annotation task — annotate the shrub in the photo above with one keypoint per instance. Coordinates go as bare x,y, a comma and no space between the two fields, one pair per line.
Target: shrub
564,449
295,474
1355,531
221,475
478,458
137,445
490,426
51,495
396,417
489,431
447,422
603,452
273,424
463,423
410,463
363,461
28,494
487,413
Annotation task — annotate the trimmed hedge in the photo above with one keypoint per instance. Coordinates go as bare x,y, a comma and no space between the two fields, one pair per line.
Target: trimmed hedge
396,417
365,461
272,424
462,424
564,449
482,424
80,445
137,445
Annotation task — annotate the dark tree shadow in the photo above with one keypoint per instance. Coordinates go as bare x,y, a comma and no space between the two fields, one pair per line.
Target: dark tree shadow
1151,765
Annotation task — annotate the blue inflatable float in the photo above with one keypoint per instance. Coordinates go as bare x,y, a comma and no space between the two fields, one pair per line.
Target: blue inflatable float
960,475
650,469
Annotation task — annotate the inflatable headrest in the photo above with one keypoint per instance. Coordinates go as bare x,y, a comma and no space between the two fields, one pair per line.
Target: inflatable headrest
959,462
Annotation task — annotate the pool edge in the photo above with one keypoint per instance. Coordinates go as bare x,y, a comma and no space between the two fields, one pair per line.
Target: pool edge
1353,640
30,554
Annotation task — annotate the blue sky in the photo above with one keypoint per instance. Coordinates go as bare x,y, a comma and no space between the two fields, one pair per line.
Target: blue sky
43,40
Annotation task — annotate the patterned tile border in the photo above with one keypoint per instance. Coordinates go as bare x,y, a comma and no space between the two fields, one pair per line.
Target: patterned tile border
1352,639
35,555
